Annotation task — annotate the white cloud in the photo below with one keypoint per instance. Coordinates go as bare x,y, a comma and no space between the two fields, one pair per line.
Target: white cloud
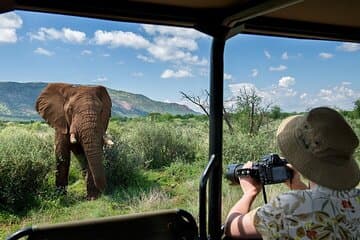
346,83
42,51
10,20
8,35
286,81
289,99
171,53
175,44
326,55
177,41
267,54
9,23
172,31
340,96
236,88
168,73
290,92
145,58
303,96
325,94
349,47
65,35
285,56
228,76
74,36
338,93
204,72
178,52
278,69
86,52
101,79
168,44
137,74
120,39
254,72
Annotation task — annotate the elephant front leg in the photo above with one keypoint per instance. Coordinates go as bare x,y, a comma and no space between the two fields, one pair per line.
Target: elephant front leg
92,192
62,154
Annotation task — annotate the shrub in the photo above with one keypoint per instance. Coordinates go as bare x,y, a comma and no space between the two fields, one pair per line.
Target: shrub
159,145
25,160
121,164
240,148
120,161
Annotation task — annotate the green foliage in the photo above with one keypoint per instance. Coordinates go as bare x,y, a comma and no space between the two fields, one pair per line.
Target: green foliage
275,112
26,159
240,148
250,111
357,107
159,145
166,117
121,164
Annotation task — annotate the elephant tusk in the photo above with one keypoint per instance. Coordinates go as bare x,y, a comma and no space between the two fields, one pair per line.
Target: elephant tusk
73,138
108,141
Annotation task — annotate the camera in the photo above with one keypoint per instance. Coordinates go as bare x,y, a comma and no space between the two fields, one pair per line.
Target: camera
270,169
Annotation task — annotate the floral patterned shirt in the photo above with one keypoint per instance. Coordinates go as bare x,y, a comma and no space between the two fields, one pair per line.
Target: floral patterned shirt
319,213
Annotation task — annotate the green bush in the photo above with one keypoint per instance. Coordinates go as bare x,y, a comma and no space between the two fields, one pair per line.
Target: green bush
159,145
121,164
26,159
240,148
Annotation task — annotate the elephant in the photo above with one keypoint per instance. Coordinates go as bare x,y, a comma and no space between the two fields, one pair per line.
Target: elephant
80,116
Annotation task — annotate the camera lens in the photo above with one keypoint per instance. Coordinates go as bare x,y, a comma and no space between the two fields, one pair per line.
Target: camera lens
231,173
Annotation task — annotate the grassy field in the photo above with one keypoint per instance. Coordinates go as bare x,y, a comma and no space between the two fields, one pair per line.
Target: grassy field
156,163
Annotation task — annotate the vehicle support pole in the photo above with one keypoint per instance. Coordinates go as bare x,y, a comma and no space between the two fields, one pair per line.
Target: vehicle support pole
216,135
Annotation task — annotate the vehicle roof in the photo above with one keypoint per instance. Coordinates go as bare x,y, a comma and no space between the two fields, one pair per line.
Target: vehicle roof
315,19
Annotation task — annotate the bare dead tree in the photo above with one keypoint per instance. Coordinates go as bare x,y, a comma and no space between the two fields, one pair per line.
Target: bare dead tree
198,101
226,117
203,103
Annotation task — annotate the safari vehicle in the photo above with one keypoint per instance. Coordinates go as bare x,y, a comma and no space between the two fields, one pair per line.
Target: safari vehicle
220,19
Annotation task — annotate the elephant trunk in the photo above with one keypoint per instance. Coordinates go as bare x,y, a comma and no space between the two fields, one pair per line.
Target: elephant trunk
91,140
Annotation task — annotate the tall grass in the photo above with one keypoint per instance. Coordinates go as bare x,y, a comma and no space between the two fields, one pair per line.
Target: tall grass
25,164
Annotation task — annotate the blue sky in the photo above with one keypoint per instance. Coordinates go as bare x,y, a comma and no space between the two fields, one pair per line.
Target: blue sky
159,61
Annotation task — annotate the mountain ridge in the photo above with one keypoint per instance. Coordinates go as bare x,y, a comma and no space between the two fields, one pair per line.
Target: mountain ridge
17,102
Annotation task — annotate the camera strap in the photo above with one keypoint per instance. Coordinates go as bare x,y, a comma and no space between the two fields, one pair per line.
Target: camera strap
249,172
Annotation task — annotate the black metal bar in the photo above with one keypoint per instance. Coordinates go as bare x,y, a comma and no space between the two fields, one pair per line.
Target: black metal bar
216,134
202,197
297,29
21,233
259,8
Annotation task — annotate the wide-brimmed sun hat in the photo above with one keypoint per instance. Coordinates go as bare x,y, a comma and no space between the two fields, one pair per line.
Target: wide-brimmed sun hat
320,145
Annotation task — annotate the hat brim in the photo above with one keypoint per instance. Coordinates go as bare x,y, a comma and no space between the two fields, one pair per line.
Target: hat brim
321,171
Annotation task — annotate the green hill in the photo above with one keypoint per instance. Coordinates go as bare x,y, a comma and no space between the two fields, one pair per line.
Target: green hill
17,102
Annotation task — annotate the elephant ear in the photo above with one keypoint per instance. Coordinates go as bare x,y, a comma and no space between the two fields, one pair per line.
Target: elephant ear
106,101
50,105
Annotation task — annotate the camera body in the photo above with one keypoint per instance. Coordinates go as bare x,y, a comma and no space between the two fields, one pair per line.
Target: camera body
270,169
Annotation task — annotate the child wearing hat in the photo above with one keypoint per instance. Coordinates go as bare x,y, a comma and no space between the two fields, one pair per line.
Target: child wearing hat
319,146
